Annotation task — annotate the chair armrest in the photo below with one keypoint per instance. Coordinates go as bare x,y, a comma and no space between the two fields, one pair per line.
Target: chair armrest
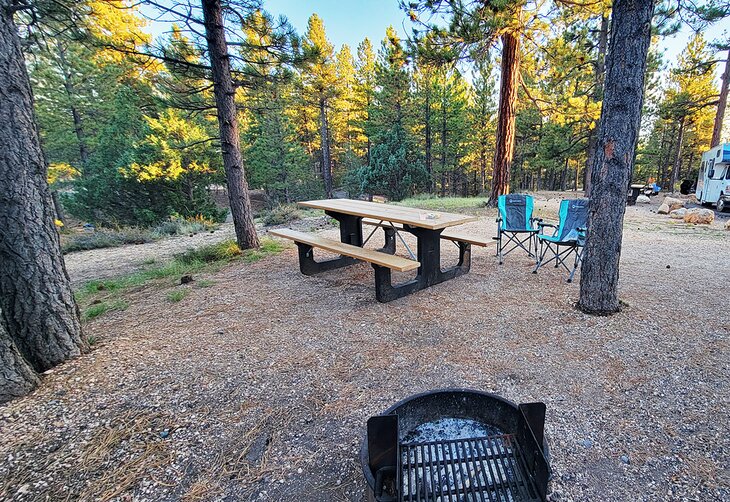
541,224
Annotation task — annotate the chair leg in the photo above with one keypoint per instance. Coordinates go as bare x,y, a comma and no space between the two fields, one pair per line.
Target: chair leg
499,247
543,250
578,257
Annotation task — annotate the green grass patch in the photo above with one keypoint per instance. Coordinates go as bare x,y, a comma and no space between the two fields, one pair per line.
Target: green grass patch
97,309
204,283
177,295
101,296
434,203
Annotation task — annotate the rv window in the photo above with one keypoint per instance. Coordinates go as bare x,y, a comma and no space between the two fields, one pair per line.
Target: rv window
716,174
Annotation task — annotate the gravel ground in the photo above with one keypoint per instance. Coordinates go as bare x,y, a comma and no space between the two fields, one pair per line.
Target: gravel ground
258,387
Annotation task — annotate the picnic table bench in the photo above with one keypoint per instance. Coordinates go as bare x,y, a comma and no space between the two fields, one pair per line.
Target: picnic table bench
428,228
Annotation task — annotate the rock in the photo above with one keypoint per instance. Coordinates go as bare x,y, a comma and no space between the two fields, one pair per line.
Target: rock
587,443
625,459
643,199
186,279
692,199
678,214
699,216
673,203
727,225
663,209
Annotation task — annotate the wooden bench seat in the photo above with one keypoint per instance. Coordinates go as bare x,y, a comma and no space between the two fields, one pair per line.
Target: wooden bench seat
448,234
392,262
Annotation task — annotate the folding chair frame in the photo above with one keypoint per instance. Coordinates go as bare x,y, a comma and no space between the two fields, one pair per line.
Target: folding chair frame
513,237
558,256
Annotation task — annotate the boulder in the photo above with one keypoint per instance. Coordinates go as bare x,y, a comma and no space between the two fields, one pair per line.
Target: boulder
643,199
673,203
692,199
699,216
678,214
663,209
727,225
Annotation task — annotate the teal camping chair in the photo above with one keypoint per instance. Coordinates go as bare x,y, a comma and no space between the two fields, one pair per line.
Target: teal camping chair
515,224
569,233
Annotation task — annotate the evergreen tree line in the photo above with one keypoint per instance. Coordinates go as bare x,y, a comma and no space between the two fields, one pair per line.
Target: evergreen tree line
132,139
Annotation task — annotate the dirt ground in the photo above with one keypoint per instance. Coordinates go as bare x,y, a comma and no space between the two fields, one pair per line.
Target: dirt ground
259,386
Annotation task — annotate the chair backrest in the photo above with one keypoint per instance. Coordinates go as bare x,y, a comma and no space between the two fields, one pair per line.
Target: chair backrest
516,211
573,215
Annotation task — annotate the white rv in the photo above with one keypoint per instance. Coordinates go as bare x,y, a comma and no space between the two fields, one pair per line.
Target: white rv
713,181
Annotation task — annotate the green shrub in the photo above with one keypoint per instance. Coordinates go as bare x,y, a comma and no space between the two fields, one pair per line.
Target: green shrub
177,225
280,215
221,251
105,239
177,295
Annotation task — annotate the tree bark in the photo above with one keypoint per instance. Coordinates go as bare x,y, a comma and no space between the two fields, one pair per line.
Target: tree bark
325,143
17,378
597,95
678,156
505,147
75,115
617,136
427,113
225,95
38,308
721,105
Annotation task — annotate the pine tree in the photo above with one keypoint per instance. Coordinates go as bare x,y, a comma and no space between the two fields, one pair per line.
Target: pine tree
394,168
320,81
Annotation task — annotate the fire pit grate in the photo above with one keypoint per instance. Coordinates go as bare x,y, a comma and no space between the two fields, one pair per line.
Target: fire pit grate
456,445
480,469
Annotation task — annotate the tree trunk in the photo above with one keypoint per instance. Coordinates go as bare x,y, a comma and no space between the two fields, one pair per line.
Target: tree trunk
325,143
38,307
678,156
505,147
17,378
75,115
721,105
429,159
597,95
225,95
617,136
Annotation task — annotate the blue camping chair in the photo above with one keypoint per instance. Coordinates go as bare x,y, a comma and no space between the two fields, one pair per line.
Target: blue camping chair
515,224
569,233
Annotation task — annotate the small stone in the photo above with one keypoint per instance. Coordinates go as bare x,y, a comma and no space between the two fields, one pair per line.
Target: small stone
663,209
669,266
164,434
186,279
625,459
587,443
300,470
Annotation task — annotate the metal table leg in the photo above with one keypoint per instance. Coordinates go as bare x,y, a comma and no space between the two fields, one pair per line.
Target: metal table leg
350,233
429,273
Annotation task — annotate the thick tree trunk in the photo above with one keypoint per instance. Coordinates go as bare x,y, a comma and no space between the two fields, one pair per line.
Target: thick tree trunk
721,105
617,136
505,147
17,378
38,307
325,143
678,156
225,95
600,71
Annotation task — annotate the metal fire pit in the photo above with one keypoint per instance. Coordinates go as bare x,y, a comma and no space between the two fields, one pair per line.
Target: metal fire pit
456,445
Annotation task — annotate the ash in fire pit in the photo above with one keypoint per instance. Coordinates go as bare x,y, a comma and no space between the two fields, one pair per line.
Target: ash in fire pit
456,445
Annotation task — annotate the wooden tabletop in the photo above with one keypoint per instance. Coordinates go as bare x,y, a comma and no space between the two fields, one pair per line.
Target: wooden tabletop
433,220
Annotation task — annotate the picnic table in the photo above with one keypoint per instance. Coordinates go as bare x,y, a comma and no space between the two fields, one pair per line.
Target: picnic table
634,192
429,228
